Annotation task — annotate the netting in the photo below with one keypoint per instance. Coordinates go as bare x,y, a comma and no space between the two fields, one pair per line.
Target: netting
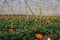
32,7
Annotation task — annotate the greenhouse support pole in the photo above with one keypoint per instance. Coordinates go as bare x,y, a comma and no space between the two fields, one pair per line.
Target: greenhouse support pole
4,15
36,8
2,11
10,7
29,7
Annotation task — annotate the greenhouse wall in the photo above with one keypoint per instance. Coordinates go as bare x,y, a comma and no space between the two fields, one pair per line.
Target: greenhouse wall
48,7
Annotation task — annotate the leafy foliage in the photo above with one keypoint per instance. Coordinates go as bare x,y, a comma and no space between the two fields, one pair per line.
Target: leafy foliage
27,29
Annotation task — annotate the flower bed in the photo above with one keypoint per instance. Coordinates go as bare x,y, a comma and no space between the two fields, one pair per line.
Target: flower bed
31,29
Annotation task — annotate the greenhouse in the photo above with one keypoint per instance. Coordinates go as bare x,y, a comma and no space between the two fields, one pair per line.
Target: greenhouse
29,19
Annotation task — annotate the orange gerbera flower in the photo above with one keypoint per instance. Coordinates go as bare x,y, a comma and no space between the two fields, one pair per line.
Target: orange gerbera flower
39,36
11,30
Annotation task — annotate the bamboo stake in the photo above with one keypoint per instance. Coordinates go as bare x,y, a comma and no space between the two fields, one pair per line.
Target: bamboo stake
27,12
40,12
20,9
27,16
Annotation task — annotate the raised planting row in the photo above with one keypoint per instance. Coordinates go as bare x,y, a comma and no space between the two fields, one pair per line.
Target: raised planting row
31,29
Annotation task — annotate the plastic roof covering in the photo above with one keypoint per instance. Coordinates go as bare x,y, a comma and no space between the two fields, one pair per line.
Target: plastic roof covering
49,7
